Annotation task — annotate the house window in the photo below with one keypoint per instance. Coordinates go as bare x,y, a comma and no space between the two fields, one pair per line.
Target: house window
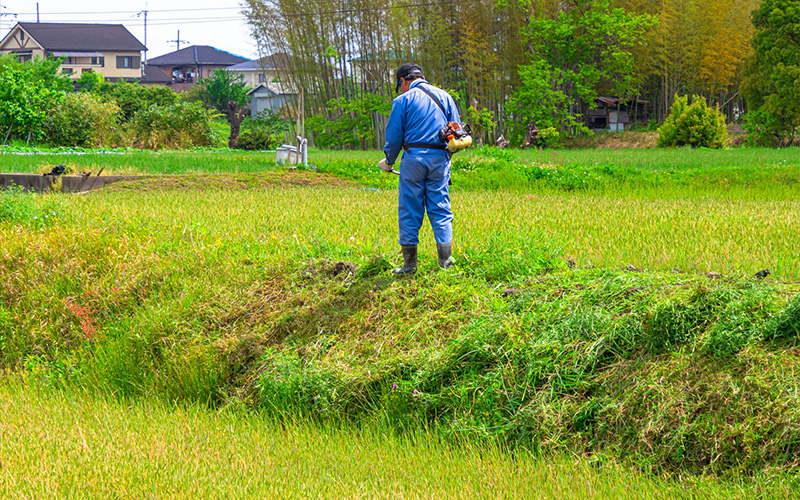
21,36
262,78
128,62
87,70
67,71
98,61
23,56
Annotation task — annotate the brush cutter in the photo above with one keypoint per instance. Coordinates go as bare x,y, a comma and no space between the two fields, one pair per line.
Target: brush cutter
389,169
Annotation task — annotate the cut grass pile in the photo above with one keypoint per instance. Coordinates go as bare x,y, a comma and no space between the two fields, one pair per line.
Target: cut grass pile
56,445
280,299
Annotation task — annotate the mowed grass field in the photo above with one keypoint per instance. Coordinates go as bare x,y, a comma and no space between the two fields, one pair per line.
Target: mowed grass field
578,330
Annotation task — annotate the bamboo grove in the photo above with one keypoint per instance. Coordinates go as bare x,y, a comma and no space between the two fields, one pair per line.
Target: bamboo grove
342,54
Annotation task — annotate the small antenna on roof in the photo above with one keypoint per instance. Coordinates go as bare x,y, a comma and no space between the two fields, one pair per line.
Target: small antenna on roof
178,42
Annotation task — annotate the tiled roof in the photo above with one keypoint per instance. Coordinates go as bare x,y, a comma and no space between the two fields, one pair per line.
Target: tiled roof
196,54
276,88
275,61
82,37
154,75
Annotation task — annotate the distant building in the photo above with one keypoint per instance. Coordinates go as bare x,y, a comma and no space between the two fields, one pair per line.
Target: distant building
154,76
184,67
265,70
108,49
613,114
271,96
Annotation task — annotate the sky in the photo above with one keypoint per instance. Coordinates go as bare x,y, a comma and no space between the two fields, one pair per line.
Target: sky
218,23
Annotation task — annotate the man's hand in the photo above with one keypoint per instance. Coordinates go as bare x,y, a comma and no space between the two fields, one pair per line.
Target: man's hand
386,167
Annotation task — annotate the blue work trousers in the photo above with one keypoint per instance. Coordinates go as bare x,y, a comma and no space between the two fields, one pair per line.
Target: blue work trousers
424,185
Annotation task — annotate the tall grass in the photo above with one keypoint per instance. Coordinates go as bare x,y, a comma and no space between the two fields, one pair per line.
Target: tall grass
344,222
232,294
74,445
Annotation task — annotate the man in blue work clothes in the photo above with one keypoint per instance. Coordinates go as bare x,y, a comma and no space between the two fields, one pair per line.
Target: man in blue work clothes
418,114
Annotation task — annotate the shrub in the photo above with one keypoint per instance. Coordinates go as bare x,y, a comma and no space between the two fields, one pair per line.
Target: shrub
255,140
181,125
765,129
262,132
548,138
694,125
82,120
133,98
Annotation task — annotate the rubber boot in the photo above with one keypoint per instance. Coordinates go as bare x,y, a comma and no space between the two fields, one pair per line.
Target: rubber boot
445,251
409,261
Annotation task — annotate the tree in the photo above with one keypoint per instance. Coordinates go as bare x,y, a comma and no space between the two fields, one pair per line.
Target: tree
772,83
24,102
90,81
574,49
697,47
227,93
350,50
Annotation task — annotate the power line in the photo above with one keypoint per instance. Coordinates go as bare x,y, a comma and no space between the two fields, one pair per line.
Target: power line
296,14
204,20
181,20
131,11
369,9
220,20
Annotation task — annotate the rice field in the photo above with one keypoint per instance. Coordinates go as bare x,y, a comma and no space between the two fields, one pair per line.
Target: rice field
240,335
73,445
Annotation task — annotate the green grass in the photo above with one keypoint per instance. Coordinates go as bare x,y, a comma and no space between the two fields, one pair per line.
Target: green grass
667,159
677,173
225,291
228,292
142,162
697,235
78,446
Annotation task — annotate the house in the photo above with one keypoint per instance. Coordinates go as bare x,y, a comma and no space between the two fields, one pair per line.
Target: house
108,49
185,66
615,115
271,96
264,70
154,76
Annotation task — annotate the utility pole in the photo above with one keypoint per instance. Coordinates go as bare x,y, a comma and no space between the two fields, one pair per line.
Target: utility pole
140,14
178,42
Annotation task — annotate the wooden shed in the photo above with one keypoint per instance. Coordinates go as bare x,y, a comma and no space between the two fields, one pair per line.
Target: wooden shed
613,114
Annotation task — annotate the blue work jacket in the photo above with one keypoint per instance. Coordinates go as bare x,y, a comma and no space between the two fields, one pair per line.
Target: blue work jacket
415,118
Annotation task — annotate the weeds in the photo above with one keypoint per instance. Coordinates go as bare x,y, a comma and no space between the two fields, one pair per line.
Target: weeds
20,207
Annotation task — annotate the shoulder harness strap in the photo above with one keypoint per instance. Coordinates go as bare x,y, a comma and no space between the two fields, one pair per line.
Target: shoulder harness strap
422,145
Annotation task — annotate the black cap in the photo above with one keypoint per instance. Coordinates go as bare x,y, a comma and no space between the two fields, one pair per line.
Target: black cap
406,70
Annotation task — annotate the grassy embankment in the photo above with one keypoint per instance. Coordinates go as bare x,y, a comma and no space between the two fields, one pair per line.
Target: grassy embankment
229,295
